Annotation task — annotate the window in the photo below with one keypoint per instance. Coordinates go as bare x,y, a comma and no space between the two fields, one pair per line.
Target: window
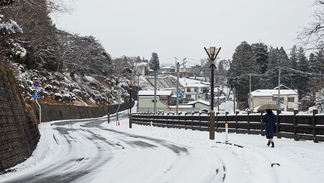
188,89
196,89
291,99
275,99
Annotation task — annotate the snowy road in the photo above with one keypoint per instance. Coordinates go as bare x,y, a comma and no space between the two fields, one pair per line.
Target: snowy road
92,150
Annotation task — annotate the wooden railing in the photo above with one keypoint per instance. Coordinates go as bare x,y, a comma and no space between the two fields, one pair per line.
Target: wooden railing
296,126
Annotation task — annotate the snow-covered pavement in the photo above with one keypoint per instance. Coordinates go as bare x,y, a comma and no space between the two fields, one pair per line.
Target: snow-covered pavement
92,150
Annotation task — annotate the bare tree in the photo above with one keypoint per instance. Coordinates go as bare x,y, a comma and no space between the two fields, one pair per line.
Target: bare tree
313,34
8,34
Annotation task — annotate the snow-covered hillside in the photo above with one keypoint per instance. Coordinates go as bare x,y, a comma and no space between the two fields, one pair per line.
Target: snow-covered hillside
65,88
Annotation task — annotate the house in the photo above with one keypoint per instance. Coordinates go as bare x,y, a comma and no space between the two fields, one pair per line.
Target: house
141,68
167,71
196,91
184,71
199,104
146,100
288,98
166,101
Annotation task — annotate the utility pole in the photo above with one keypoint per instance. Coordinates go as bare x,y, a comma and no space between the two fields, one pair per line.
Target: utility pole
234,93
250,104
279,87
177,64
155,76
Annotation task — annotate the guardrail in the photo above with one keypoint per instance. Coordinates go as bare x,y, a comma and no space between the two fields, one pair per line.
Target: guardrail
296,126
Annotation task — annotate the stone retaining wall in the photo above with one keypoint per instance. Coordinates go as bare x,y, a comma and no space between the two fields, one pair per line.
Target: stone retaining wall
19,133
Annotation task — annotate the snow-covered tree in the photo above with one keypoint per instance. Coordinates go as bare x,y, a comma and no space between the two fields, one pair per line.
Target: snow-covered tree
154,62
260,51
8,34
243,63
312,35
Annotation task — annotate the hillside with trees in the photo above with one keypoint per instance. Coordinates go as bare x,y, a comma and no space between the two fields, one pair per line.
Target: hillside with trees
72,69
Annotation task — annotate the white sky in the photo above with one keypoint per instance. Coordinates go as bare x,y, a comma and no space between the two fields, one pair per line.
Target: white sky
182,28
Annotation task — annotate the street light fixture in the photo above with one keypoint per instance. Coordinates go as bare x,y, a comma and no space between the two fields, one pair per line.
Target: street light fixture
212,53
130,84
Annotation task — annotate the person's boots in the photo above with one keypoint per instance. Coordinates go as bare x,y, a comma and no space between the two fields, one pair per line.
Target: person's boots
268,142
272,144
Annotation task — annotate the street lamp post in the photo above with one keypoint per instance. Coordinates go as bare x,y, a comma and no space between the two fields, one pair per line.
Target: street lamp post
212,53
130,84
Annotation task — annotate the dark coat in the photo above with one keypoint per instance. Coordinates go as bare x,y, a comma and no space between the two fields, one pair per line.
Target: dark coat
270,122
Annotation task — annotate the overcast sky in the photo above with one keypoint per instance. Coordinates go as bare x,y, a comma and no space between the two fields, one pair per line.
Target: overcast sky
182,28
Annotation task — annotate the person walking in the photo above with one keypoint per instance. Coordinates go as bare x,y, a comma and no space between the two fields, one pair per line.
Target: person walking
270,122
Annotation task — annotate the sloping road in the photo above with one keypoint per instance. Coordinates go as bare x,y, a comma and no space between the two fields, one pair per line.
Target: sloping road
85,151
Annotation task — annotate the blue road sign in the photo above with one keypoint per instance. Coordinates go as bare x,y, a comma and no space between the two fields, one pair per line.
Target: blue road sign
180,95
36,83
36,95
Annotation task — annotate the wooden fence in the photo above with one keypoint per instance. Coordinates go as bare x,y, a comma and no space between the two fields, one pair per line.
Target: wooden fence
296,126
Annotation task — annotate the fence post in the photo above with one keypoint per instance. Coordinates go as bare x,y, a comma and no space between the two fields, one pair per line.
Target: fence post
295,125
217,113
185,123
314,125
226,113
261,125
236,120
278,124
192,121
248,121
172,118
130,120
199,120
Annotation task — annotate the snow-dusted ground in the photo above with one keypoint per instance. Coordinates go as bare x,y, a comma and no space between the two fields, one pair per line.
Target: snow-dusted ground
91,150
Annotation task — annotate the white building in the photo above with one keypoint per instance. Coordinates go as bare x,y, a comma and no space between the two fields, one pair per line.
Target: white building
165,101
288,98
196,91
146,100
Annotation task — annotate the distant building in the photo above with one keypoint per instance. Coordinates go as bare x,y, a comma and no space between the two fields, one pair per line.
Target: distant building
146,100
141,68
196,92
200,104
167,71
165,101
184,71
288,98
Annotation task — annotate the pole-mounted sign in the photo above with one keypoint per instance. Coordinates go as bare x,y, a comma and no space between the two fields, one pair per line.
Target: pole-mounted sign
37,96
36,83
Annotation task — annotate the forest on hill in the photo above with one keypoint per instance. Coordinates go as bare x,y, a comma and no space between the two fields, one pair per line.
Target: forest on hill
71,68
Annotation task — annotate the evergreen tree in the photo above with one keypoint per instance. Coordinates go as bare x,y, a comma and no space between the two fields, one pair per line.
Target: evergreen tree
273,68
293,57
261,53
285,63
303,66
154,62
243,63
294,62
320,61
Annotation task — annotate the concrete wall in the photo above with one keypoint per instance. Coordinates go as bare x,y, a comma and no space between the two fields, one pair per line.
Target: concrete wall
19,134
61,112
